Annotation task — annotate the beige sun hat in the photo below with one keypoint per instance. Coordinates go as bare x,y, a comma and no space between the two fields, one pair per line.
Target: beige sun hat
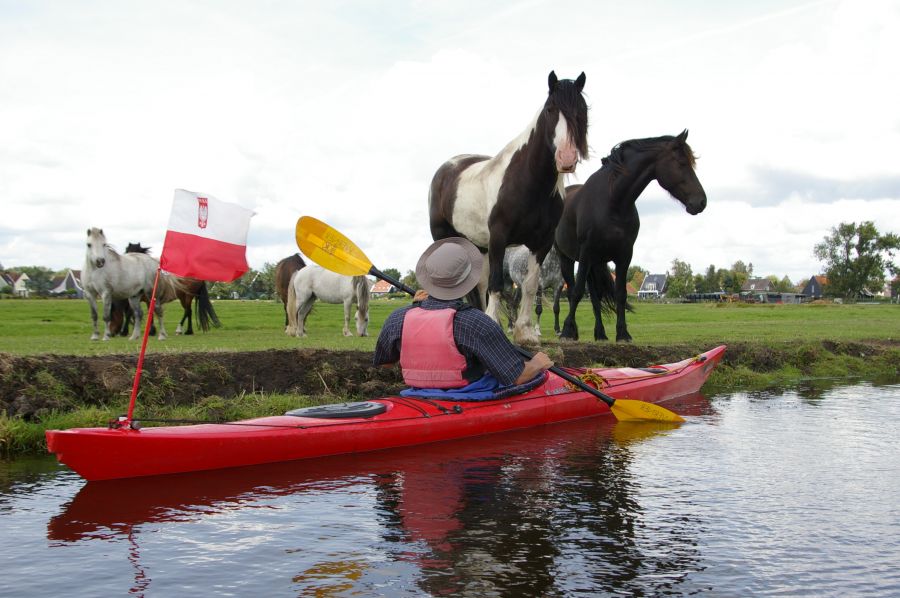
449,268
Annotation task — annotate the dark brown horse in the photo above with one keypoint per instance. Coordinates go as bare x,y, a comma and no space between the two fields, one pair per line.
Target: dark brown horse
516,197
284,270
600,222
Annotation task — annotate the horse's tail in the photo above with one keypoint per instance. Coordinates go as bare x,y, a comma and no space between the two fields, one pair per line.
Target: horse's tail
602,287
205,311
362,293
291,307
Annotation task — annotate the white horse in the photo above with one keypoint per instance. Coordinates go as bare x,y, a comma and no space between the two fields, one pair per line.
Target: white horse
109,276
515,268
311,283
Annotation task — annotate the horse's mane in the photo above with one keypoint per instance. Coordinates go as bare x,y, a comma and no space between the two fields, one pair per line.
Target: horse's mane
616,157
137,248
568,99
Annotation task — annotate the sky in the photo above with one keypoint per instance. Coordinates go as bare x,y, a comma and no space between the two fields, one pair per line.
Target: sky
344,110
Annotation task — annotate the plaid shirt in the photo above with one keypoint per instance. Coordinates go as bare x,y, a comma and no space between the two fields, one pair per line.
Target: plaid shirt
480,340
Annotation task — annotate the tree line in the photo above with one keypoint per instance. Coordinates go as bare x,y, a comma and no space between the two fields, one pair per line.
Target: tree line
855,258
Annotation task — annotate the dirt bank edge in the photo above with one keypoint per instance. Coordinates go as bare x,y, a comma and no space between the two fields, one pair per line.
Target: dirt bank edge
31,385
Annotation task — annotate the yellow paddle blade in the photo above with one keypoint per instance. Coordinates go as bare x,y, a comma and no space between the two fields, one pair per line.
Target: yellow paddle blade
329,248
628,410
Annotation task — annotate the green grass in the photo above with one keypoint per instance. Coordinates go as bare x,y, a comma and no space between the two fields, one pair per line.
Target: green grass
31,327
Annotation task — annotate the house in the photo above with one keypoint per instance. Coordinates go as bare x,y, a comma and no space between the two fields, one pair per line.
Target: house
382,288
68,285
6,282
653,287
15,283
814,289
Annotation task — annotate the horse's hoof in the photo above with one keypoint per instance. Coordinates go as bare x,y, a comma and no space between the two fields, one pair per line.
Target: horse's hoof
95,337
162,337
623,339
106,338
528,338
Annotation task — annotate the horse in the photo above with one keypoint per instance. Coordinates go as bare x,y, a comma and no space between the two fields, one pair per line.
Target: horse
283,272
311,283
108,276
600,222
515,269
516,197
172,288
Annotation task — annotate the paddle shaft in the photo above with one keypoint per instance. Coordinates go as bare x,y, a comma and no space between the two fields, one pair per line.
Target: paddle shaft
379,274
573,379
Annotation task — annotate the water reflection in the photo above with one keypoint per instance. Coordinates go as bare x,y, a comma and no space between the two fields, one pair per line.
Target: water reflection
544,511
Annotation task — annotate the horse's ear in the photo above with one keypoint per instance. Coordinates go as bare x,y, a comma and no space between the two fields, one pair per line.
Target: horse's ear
683,136
579,82
89,232
552,81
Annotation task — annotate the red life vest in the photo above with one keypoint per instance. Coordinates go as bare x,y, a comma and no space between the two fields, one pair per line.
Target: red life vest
428,354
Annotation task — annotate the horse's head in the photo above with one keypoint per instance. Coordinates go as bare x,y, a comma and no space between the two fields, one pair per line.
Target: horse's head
96,247
675,173
566,118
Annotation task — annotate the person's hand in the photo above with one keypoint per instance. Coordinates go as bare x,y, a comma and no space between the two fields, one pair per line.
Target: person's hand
421,295
541,361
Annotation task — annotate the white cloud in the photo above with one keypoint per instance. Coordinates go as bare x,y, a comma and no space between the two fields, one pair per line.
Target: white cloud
344,112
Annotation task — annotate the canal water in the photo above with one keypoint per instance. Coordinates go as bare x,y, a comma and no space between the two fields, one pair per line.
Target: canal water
772,493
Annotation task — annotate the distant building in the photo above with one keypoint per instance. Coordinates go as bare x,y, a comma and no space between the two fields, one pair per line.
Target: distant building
814,289
69,284
381,288
6,282
653,287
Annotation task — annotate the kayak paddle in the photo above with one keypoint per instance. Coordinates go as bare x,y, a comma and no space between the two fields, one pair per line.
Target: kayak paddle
333,251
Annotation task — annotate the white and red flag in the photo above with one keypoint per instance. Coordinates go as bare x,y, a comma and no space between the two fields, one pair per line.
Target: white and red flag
206,238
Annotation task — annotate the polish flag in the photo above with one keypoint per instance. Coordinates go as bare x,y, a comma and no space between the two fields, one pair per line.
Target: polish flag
206,238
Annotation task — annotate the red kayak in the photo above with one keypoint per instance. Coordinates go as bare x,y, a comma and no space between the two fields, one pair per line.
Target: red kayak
389,422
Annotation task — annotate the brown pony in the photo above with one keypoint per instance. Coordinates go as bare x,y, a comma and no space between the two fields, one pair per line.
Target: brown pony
284,270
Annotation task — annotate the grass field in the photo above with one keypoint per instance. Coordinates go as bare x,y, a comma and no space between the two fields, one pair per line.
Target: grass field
30,327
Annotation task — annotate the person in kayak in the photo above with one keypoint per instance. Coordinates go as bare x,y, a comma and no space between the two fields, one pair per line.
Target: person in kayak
442,342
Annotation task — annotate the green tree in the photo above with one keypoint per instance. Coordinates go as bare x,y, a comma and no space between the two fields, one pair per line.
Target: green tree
393,273
636,275
410,280
699,284
681,279
40,280
712,282
786,286
856,257
265,282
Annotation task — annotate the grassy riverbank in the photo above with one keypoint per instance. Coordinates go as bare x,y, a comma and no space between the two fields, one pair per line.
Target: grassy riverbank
52,376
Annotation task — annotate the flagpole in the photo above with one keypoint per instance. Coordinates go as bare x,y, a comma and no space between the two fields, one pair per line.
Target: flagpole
140,363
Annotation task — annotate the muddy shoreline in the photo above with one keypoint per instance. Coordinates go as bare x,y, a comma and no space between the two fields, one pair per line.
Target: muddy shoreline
32,385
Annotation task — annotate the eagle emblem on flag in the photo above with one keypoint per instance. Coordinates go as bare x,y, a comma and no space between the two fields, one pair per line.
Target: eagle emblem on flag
202,211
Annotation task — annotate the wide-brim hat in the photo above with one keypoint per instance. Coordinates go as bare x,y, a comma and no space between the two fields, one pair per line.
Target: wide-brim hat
449,268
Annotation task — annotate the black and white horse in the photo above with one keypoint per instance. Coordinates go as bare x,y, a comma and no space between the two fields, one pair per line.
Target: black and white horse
515,197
